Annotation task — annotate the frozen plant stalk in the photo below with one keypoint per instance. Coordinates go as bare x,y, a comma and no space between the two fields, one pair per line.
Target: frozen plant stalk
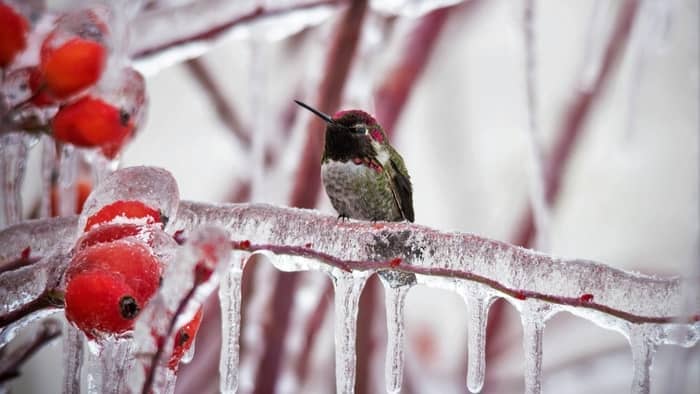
187,282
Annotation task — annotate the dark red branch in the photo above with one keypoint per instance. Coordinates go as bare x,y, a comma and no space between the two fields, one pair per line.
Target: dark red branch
394,92
576,116
572,127
224,110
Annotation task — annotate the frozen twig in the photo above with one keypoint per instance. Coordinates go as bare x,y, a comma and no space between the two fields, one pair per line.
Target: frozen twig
538,202
516,272
576,115
224,109
170,35
11,362
394,92
610,297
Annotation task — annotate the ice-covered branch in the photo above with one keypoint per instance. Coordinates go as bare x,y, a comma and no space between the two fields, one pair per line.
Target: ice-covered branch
169,35
12,361
515,272
578,111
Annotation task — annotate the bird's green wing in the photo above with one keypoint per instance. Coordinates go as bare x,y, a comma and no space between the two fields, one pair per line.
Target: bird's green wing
401,185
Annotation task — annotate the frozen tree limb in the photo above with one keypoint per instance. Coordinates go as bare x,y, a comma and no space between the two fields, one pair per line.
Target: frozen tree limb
11,362
514,271
169,35
576,115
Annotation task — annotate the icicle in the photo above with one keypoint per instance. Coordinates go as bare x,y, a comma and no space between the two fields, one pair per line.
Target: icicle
48,171
187,282
395,298
73,343
100,166
108,363
536,174
230,298
643,350
13,160
533,315
348,287
257,304
478,301
67,176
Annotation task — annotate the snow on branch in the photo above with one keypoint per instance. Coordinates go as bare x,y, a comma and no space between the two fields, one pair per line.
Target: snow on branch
307,239
514,271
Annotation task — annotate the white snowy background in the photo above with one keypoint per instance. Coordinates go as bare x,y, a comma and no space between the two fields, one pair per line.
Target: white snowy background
629,196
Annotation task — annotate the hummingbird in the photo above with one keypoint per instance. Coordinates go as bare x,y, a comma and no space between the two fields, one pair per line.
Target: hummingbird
363,175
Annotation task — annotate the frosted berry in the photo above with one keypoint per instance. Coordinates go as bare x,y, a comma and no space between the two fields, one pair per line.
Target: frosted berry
122,211
92,122
101,302
72,66
132,261
13,34
108,233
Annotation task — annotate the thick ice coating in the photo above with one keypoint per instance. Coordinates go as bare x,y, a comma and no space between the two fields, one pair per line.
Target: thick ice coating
154,187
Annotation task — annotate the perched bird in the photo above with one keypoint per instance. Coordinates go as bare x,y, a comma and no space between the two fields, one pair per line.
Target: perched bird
364,176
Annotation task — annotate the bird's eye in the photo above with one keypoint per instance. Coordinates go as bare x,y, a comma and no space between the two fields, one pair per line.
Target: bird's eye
360,129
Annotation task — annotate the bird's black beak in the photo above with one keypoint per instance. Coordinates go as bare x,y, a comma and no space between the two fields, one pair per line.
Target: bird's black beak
318,113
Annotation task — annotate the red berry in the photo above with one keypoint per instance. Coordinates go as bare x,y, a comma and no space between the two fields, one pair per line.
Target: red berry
84,188
40,97
71,67
13,34
132,261
91,122
124,210
101,302
183,339
108,233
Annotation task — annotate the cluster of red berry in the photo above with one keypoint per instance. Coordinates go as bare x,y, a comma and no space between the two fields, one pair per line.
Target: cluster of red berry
114,272
71,60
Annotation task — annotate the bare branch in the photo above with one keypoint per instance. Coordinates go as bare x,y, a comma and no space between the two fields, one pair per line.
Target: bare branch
225,111
576,116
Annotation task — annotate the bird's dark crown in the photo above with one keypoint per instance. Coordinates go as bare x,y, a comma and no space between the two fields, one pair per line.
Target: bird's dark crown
352,117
